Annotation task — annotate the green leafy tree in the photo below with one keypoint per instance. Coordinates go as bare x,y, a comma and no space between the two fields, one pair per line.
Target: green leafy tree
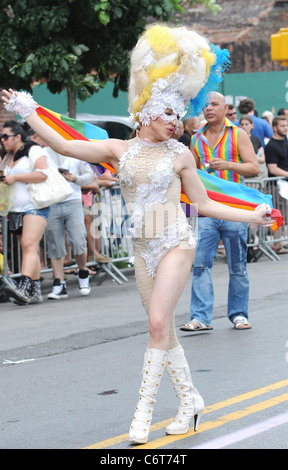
76,45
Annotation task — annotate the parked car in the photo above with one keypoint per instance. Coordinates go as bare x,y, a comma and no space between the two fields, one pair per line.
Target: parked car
117,127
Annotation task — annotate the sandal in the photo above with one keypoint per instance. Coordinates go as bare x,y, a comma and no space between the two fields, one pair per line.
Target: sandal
200,326
241,323
283,250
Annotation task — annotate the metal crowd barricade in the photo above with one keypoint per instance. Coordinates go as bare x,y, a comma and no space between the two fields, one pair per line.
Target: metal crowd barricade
255,235
262,237
270,187
110,221
110,214
4,276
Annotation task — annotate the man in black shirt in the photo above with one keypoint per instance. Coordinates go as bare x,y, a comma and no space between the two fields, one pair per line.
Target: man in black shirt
276,150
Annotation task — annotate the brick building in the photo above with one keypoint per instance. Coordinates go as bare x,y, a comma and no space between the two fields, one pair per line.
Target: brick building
244,28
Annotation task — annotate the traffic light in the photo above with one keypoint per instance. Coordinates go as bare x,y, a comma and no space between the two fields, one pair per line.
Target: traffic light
279,47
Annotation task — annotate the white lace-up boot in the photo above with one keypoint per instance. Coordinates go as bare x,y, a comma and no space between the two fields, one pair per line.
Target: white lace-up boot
153,369
191,404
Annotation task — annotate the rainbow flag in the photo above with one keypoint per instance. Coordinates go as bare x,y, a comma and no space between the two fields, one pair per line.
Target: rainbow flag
236,195
73,129
225,192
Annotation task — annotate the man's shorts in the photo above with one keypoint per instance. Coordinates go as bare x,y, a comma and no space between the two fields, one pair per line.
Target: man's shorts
66,217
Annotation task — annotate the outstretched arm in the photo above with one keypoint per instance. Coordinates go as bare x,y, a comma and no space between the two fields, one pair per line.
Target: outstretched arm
106,151
196,193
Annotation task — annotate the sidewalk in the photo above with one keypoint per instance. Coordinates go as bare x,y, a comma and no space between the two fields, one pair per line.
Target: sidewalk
113,311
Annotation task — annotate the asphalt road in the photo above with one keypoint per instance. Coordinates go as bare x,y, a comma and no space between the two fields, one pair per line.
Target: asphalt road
70,369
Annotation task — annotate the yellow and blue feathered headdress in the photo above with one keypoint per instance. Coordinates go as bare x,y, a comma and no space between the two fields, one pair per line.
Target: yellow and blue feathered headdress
173,68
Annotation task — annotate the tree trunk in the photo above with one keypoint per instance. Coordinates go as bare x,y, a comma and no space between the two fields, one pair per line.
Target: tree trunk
71,95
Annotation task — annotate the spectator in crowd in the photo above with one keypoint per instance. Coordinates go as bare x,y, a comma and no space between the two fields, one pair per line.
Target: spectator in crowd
232,116
93,241
66,222
268,116
276,154
231,113
283,112
191,125
246,123
276,151
261,127
25,163
68,217
210,147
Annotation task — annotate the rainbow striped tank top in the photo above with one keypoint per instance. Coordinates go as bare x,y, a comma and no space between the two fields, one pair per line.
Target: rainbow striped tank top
226,147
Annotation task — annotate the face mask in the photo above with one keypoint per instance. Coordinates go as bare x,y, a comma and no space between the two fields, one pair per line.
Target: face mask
167,118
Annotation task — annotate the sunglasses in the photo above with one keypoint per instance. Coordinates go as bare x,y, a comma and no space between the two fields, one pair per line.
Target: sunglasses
6,136
231,114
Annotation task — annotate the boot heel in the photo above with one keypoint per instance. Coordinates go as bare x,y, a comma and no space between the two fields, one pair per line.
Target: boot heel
191,404
197,419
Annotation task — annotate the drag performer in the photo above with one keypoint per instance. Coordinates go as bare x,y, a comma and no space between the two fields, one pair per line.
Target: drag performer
170,68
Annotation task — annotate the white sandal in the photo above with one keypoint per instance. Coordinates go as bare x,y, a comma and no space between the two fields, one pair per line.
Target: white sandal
190,327
241,323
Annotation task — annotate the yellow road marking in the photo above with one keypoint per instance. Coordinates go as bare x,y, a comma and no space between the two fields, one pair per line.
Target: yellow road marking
217,406
208,425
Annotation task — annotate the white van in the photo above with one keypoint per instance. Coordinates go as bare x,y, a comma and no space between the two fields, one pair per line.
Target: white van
117,127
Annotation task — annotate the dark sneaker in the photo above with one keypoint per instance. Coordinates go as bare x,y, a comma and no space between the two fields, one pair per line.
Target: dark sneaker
36,295
16,295
59,290
21,293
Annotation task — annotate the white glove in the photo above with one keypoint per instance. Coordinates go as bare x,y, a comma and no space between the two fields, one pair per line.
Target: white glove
22,104
268,208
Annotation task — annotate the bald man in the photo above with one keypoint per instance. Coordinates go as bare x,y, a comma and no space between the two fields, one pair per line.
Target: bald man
227,152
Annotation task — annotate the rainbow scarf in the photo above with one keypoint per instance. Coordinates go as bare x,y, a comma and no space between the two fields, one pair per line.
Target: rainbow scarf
220,190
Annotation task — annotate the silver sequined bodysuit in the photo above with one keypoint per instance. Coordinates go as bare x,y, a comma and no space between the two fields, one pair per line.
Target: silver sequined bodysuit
151,190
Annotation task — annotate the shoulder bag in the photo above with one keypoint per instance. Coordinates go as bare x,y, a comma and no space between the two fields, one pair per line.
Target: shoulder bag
51,191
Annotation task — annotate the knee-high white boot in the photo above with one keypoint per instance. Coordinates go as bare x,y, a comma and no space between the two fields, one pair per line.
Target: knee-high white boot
191,404
153,369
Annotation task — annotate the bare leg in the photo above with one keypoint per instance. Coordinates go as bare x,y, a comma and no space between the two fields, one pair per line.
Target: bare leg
57,266
159,297
33,229
81,260
145,286
171,277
